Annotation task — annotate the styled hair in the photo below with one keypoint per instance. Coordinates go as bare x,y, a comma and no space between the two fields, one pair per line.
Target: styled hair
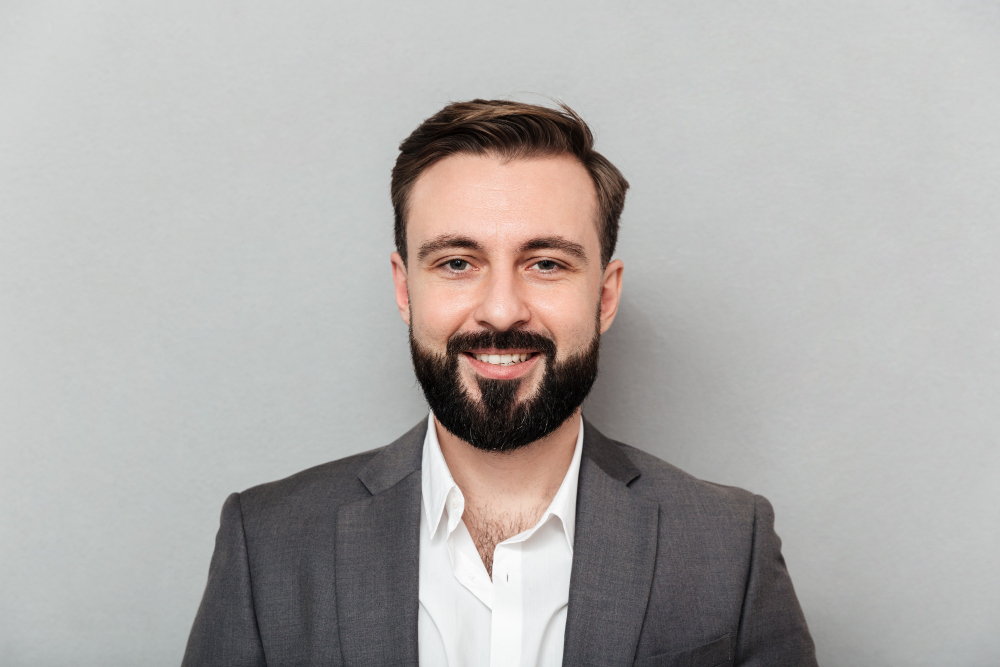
508,130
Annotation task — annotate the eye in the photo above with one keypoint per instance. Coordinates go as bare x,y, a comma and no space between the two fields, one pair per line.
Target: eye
457,265
546,265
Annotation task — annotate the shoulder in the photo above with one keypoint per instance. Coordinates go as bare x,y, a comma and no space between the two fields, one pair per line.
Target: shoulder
315,495
322,483
684,495
319,489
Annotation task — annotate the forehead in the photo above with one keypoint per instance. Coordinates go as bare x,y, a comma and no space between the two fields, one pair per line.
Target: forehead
504,204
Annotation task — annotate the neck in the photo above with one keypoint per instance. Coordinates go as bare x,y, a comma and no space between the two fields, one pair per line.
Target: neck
517,482
507,493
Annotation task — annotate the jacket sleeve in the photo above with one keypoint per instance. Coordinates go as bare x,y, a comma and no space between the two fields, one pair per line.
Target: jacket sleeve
225,630
773,631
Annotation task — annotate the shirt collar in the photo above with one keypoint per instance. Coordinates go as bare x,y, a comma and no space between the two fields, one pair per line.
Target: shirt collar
441,493
436,481
563,505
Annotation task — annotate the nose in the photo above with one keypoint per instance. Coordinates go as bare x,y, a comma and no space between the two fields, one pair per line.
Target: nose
502,306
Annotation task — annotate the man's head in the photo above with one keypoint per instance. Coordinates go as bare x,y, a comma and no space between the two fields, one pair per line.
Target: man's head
506,221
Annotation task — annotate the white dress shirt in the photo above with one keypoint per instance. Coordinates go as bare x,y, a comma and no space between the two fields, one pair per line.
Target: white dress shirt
519,618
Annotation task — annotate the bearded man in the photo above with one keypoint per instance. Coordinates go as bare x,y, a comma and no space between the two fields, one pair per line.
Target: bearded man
504,529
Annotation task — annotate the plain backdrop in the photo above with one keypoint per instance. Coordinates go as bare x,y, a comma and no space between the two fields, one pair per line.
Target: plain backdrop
195,292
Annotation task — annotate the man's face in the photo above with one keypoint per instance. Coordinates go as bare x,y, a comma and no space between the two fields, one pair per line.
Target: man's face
504,290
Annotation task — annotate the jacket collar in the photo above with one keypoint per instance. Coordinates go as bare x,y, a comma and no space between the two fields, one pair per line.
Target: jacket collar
377,559
607,455
394,462
613,558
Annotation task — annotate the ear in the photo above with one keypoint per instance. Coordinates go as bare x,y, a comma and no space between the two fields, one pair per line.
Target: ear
611,292
399,280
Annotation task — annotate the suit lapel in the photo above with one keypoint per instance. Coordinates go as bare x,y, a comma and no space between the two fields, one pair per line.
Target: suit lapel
614,551
378,559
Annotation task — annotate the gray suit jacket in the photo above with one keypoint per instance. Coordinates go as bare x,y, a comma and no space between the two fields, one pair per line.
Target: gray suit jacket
321,568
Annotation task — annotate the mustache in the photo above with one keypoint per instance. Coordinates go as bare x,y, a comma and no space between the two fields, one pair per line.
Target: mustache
511,339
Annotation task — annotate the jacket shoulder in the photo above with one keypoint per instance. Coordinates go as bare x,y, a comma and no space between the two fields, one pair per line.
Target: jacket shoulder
319,489
310,499
672,486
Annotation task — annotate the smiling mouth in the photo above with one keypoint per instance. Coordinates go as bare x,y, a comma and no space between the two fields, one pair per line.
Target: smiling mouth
503,359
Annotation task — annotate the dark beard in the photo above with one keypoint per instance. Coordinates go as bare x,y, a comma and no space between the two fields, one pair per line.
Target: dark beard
499,422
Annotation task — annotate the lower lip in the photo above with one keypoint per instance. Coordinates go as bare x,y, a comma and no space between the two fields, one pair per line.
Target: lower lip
497,372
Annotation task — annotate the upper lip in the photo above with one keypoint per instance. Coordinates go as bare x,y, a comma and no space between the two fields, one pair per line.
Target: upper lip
493,350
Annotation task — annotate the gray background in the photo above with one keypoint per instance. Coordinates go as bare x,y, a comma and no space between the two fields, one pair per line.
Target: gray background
195,293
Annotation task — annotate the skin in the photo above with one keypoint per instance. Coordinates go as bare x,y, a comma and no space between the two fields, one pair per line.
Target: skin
500,246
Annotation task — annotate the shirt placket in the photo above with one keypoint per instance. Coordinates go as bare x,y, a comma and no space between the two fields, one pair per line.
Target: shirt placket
508,606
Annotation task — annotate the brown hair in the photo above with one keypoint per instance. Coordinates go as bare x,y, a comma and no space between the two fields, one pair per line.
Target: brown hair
508,130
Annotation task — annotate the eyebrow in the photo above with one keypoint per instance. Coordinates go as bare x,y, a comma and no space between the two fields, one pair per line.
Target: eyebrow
450,241
556,243
445,242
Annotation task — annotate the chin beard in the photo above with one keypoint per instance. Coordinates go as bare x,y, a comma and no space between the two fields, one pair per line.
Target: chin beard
499,421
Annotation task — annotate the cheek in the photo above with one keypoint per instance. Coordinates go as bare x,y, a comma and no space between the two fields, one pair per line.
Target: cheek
435,315
570,319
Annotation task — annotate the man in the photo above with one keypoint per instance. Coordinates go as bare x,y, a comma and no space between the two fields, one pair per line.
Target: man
504,529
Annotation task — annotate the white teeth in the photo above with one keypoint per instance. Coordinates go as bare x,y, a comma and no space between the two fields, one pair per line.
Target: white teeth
502,359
